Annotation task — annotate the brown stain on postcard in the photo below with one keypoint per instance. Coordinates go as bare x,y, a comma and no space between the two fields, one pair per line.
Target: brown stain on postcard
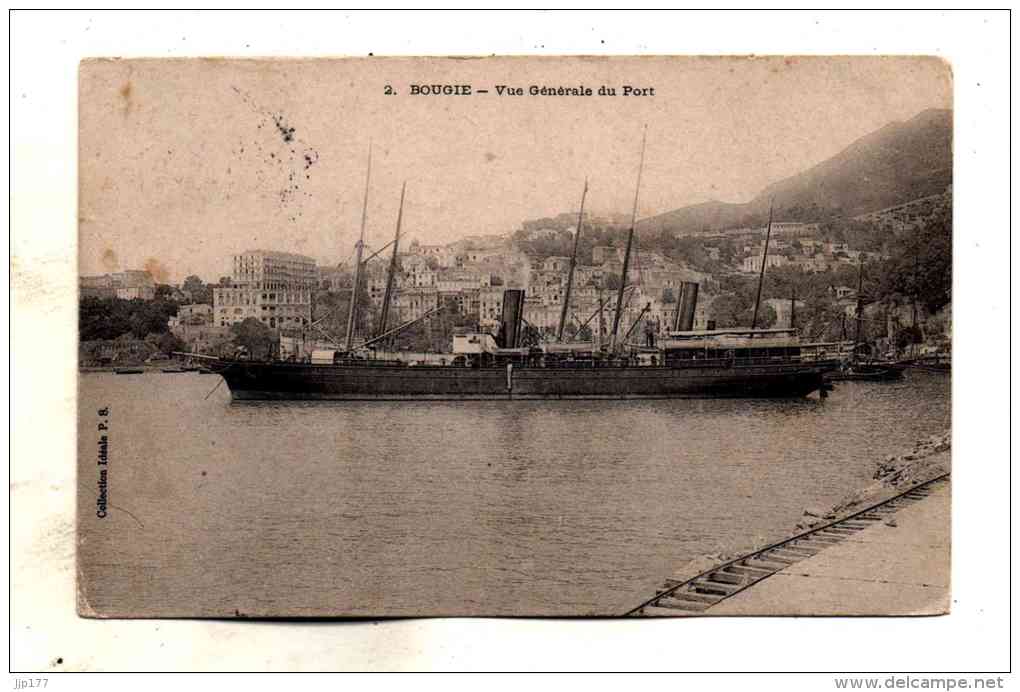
125,94
109,260
156,270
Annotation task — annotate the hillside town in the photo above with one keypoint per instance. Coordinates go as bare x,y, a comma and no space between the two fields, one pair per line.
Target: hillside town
812,271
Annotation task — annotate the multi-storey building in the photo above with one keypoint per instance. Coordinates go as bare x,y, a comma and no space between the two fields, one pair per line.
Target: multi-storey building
134,283
127,285
603,253
490,306
461,280
418,271
556,264
273,287
412,303
332,278
97,286
444,256
753,263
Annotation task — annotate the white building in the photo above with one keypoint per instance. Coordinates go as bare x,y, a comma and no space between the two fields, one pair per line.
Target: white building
490,306
753,263
412,303
194,314
556,264
134,283
127,285
272,287
443,255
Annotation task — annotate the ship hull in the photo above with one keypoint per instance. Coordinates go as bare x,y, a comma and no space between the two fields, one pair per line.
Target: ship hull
294,381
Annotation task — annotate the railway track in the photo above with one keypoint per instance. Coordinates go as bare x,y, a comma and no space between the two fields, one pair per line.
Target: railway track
699,593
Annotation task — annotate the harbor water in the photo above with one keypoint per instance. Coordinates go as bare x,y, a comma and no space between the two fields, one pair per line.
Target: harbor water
222,508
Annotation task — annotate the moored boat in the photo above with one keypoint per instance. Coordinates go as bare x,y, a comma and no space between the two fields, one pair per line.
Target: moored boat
687,363
931,363
867,372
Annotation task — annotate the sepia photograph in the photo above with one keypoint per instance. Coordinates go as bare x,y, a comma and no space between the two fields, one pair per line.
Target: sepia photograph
514,336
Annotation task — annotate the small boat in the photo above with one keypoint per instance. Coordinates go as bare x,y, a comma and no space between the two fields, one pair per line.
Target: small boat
935,363
172,370
859,366
128,371
866,372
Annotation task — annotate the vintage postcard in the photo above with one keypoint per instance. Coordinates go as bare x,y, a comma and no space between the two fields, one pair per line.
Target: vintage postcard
543,336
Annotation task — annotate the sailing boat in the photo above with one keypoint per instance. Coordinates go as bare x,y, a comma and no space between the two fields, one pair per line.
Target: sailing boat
856,368
718,363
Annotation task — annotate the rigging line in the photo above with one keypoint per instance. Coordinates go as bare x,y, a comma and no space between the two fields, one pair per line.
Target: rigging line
346,261
222,380
359,250
630,238
326,334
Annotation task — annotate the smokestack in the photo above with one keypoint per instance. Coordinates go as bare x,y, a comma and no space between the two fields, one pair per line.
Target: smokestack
686,304
513,314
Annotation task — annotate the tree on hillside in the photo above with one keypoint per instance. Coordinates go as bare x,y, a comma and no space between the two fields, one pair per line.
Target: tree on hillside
168,343
164,292
922,267
150,316
822,319
259,340
787,280
109,318
102,318
735,310
197,289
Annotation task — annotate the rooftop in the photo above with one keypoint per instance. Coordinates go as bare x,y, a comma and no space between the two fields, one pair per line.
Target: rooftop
276,254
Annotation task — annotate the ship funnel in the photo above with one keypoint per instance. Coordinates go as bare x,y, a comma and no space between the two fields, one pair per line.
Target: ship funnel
513,314
686,304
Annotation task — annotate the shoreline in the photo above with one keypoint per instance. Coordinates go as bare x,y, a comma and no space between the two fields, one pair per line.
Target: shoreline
929,458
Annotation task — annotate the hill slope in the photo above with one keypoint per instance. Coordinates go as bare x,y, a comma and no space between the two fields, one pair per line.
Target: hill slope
895,164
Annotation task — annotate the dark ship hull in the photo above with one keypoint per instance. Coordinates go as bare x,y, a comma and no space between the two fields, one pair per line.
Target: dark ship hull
250,380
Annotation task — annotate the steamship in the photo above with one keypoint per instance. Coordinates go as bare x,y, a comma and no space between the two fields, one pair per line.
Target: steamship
747,362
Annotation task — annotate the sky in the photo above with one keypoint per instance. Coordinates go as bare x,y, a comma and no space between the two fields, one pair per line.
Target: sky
183,163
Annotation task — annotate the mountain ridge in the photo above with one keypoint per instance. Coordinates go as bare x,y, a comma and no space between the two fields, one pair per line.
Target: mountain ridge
899,162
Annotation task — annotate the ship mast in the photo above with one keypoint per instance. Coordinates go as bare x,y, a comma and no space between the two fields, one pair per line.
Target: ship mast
352,315
630,242
391,274
761,274
573,263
